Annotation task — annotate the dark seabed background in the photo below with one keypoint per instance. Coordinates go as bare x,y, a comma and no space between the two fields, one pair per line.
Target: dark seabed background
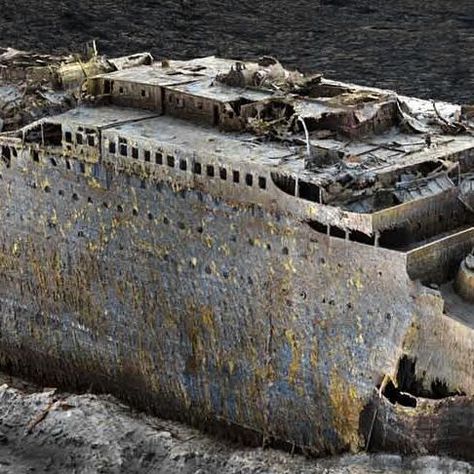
418,47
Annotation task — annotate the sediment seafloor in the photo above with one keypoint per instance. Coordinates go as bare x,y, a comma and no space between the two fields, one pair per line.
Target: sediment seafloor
43,430
424,49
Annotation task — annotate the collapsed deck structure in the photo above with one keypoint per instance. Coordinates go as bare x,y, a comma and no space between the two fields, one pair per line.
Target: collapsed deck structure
235,243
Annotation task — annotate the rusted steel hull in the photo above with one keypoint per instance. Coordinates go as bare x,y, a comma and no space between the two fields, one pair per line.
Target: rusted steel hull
433,426
215,312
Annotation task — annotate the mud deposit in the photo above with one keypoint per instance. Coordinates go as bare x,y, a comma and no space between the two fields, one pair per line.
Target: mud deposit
424,48
42,430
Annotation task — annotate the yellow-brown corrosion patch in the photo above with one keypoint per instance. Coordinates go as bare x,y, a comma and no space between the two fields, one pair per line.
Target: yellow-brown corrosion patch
294,367
346,408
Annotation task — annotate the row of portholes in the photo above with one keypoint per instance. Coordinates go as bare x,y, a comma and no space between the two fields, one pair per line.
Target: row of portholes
120,209
81,167
197,168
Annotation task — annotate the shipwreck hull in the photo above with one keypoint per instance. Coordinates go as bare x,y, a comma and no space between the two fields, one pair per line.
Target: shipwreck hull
434,426
204,310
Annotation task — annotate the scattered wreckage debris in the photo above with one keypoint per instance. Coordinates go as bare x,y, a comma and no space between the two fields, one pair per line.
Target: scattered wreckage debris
268,73
33,85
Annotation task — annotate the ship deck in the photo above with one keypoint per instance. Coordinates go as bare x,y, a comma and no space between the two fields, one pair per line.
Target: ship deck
378,155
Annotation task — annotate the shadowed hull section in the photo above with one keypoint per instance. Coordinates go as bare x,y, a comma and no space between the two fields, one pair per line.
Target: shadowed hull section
445,427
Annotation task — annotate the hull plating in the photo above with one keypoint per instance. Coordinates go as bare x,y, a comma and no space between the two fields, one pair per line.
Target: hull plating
199,309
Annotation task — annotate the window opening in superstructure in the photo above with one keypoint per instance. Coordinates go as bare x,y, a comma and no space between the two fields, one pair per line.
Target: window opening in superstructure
121,90
123,149
170,98
68,137
235,176
158,158
79,139
183,165
143,92
135,153
107,87
52,134
285,183
91,140
248,179
210,170
35,156
112,148
6,155
197,168
362,238
309,191
335,231
215,115
262,182
170,161
319,227
147,156
223,174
